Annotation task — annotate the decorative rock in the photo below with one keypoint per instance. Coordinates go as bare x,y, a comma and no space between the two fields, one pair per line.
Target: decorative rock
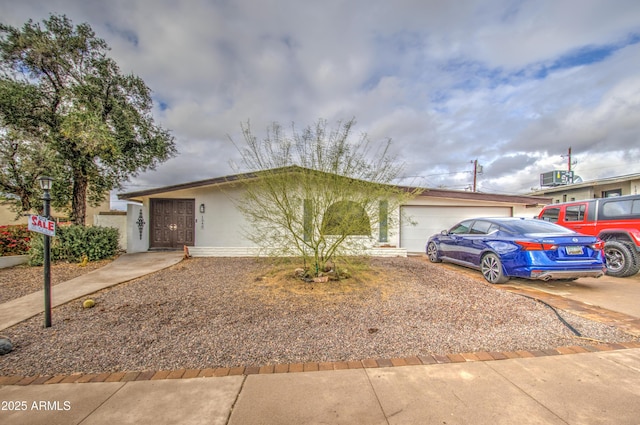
88,303
5,346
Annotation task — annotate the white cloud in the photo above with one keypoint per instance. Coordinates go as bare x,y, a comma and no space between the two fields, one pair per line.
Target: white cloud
449,82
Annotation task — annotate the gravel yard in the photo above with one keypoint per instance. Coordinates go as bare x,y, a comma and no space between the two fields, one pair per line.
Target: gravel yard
19,281
224,312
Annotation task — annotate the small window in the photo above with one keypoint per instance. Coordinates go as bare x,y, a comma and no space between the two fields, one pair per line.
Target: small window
551,214
384,222
611,193
346,218
575,212
307,219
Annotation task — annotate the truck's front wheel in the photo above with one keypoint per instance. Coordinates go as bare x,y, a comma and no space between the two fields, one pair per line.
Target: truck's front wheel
622,260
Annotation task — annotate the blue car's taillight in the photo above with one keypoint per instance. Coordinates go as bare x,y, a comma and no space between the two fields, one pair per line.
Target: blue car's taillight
536,246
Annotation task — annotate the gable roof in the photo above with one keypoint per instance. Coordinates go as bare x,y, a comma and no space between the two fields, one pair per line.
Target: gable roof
426,192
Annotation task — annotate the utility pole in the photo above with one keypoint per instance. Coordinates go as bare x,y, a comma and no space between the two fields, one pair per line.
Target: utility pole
477,169
569,164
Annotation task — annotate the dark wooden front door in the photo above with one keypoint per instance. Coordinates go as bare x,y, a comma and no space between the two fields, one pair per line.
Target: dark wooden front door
172,223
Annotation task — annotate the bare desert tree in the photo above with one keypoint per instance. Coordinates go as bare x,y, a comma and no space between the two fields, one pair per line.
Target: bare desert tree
318,193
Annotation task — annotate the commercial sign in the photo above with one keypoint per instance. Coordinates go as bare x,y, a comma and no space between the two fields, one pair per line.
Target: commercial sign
42,225
556,178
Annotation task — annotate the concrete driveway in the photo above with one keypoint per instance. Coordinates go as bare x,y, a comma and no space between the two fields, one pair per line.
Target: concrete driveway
619,294
613,293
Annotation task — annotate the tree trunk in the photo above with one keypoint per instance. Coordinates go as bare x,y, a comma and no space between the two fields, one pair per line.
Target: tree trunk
79,201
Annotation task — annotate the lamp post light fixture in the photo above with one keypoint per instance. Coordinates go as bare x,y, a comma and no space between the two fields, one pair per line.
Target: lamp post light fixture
45,184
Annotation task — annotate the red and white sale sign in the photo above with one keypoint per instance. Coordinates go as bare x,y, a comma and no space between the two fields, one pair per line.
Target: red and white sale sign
42,225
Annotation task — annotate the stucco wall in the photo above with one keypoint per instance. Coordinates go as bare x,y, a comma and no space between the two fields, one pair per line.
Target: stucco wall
115,219
9,217
221,224
219,228
137,228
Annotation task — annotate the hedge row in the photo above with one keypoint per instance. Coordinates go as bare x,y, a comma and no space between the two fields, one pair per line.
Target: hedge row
72,243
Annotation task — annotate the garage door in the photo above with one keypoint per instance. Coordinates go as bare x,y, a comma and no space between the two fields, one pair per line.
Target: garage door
429,220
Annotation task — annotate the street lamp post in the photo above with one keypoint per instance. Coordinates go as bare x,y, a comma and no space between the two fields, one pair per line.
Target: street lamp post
45,184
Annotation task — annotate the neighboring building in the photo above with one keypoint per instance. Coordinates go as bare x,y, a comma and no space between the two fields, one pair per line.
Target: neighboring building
600,188
7,216
202,215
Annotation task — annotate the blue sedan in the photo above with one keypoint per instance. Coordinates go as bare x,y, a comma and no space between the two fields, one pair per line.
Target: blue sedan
518,247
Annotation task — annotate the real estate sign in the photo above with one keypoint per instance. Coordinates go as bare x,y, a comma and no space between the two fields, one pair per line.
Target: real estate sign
42,225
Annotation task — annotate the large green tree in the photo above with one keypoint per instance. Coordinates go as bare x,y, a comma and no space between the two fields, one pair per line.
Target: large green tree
22,163
319,193
61,95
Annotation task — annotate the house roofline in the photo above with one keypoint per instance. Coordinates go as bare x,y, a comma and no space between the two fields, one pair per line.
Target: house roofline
420,191
216,181
182,186
528,200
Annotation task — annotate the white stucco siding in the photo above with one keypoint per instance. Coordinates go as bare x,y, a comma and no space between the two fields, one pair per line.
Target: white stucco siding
219,229
222,224
137,228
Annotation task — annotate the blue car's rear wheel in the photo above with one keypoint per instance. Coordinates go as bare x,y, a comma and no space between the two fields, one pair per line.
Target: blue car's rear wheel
432,253
491,268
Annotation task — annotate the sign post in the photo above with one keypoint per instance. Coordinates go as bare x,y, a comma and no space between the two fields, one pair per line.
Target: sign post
48,228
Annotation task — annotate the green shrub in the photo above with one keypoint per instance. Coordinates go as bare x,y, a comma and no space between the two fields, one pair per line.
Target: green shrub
14,240
72,243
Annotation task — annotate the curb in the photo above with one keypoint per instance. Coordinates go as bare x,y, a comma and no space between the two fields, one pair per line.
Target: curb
432,359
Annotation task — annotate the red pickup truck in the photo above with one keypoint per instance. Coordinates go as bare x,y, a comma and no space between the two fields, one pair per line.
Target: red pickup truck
614,220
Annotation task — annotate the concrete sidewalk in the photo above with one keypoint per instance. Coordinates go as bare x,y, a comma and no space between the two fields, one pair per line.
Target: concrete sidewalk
590,388
124,268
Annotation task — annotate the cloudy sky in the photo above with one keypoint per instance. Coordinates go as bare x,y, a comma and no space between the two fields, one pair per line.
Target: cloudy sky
511,83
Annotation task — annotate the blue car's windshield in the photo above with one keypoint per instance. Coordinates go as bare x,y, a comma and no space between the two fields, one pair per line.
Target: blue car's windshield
526,227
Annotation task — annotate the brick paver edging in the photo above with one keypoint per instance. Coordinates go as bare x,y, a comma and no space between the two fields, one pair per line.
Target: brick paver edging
307,367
